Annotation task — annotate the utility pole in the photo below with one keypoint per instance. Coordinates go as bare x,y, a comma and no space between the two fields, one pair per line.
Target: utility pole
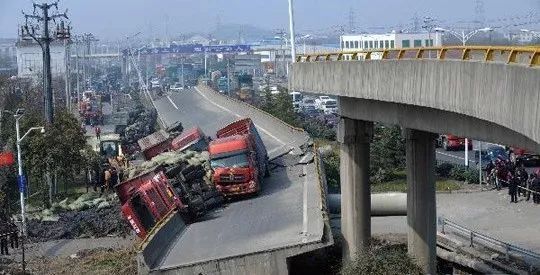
352,21
68,74
44,40
87,39
479,13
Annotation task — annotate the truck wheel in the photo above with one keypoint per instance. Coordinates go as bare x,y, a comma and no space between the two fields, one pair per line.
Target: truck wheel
172,172
196,206
211,194
188,169
194,175
266,171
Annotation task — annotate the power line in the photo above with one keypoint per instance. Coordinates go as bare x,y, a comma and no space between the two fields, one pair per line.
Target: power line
479,13
352,21
28,31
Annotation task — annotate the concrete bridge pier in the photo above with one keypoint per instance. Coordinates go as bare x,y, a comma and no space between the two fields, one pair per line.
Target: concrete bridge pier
354,137
421,207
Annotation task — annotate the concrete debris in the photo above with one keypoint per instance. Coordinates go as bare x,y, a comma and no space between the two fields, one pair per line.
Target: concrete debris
307,158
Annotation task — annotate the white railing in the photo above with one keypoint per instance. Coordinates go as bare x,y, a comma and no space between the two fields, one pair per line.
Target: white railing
476,236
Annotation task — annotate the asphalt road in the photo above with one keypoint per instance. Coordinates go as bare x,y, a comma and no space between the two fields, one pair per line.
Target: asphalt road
488,212
272,220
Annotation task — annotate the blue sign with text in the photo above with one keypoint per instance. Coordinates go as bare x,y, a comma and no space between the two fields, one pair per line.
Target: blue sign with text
193,49
21,180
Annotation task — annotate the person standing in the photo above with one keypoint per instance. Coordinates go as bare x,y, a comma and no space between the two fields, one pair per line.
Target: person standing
98,132
107,179
522,178
536,188
529,186
512,187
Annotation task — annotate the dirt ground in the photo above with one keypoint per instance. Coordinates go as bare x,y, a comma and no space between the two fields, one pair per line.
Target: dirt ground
95,261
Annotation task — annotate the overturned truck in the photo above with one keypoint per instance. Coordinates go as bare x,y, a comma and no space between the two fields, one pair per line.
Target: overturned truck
172,183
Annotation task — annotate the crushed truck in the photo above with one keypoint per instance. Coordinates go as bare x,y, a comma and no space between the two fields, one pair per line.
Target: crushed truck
238,158
192,139
155,144
146,200
159,142
171,183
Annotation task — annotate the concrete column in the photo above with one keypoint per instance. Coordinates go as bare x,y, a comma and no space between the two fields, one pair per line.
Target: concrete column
421,211
355,137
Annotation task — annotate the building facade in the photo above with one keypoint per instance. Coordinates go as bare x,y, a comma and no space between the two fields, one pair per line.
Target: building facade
389,41
30,59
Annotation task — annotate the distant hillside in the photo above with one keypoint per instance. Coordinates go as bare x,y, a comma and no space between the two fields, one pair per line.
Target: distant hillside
247,32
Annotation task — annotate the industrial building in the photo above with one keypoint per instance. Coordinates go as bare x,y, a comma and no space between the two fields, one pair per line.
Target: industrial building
30,59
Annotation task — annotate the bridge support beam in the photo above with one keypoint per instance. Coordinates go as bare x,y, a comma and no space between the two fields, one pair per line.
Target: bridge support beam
355,137
421,206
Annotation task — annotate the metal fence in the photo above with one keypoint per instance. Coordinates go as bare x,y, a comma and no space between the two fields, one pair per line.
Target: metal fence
476,237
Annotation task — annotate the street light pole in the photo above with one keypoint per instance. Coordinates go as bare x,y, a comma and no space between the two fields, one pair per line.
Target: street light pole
463,37
21,188
291,28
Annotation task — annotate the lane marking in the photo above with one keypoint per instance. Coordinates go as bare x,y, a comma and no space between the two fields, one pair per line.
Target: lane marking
453,156
239,116
172,102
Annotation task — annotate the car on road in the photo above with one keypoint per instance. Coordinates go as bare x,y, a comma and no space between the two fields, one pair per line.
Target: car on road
307,103
452,143
491,153
320,100
177,87
329,107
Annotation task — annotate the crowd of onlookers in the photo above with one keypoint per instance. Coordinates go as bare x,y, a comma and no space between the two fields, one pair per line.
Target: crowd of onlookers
512,174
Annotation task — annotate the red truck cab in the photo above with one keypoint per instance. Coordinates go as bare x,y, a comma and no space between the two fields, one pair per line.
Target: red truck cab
146,200
238,158
450,142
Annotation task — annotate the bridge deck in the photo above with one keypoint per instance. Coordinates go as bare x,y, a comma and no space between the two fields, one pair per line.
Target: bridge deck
271,221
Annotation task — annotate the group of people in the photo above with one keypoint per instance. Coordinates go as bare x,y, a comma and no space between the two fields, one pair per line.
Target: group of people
9,236
108,177
513,174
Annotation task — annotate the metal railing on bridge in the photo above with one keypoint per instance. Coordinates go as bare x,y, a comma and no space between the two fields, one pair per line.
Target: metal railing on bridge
479,237
525,55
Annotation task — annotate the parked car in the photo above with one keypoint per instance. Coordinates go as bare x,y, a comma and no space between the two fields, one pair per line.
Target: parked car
329,106
491,153
528,159
307,103
177,87
451,143
310,111
320,100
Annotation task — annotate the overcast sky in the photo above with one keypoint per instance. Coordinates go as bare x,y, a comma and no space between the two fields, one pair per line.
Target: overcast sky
116,18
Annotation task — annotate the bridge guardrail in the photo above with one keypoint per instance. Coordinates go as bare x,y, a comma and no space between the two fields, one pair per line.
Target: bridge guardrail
508,248
529,56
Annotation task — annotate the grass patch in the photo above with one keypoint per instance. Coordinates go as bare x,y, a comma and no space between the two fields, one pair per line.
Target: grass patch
400,185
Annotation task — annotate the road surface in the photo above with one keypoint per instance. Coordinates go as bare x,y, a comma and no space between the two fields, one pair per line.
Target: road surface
273,220
488,212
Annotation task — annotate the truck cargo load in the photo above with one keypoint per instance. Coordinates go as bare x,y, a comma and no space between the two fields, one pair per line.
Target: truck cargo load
154,144
239,159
